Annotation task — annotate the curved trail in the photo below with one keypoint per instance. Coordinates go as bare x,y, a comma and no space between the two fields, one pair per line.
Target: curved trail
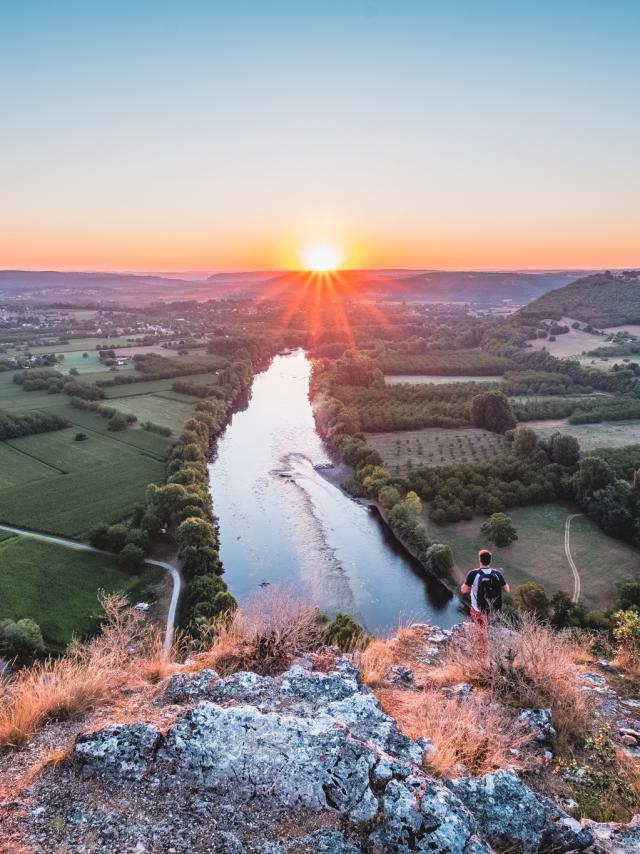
567,551
83,547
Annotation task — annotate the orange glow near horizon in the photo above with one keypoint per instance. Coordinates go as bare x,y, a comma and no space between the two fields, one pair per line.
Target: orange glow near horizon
145,249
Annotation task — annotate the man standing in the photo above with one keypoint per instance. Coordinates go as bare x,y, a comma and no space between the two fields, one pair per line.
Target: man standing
486,586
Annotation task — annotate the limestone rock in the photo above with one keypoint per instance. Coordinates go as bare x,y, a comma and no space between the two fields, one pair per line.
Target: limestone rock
121,751
511,815
616,838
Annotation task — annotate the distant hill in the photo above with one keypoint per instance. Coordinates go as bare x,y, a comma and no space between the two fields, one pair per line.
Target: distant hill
485,288
482,288
603,299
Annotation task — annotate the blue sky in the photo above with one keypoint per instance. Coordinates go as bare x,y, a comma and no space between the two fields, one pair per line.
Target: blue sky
213,135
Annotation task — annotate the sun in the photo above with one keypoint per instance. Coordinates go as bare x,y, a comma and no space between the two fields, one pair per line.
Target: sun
321,257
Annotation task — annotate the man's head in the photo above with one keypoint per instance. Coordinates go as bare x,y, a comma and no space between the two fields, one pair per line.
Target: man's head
484,556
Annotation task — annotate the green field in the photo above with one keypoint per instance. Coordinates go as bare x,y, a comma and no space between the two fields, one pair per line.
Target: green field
607,434
74,359
538,555
434,446
83,344
153,386
68,487
395,379
74,503
156,408
58,587
16,468
59,450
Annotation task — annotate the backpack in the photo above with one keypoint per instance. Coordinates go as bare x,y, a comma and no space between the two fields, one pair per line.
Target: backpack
489,592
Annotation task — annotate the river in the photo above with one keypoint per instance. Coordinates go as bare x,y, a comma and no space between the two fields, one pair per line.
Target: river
283,523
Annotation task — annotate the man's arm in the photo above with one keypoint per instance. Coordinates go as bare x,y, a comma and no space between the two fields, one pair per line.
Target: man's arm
505,586
468,582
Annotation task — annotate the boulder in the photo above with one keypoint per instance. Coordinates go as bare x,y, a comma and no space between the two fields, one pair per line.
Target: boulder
616,838
120,751
283,760
511,815
190,687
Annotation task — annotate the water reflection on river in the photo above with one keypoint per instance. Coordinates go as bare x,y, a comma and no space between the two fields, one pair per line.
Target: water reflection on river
283,523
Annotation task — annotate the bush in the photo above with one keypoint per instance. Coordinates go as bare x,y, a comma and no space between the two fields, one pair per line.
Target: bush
264,636
62,688
531,598
131,558
21,639
81,437
626,631
344,631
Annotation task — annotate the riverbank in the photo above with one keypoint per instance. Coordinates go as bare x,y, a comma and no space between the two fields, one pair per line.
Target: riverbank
284,520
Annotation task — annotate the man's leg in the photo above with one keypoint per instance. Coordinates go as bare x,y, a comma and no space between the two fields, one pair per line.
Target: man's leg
482,624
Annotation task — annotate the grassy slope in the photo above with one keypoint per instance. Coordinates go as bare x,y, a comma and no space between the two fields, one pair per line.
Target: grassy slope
58,587
539,555
601,299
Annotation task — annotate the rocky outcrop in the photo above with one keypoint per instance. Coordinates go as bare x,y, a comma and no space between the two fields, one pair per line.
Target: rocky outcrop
509,813
309,742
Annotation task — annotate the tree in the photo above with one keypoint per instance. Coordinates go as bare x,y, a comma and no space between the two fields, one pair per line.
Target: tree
492,411
564,450
131,558
499,529
593,473
565,613
531,598
525,441
439,559
628,594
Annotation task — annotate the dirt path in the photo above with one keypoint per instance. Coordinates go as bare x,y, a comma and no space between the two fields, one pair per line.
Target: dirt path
83,547
567,551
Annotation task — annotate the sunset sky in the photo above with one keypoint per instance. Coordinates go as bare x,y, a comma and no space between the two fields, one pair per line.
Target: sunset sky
212,135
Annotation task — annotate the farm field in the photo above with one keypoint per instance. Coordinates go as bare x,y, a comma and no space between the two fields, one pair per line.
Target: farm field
16,468
538,555
74,503
396,379
83,344
434,446
58,587
90,364
135,437
60,451
108,478
151,386
157,408
610,434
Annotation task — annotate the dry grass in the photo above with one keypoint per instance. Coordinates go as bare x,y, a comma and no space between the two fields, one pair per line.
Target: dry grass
63,688
375,661
263,636
473,733
526,666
